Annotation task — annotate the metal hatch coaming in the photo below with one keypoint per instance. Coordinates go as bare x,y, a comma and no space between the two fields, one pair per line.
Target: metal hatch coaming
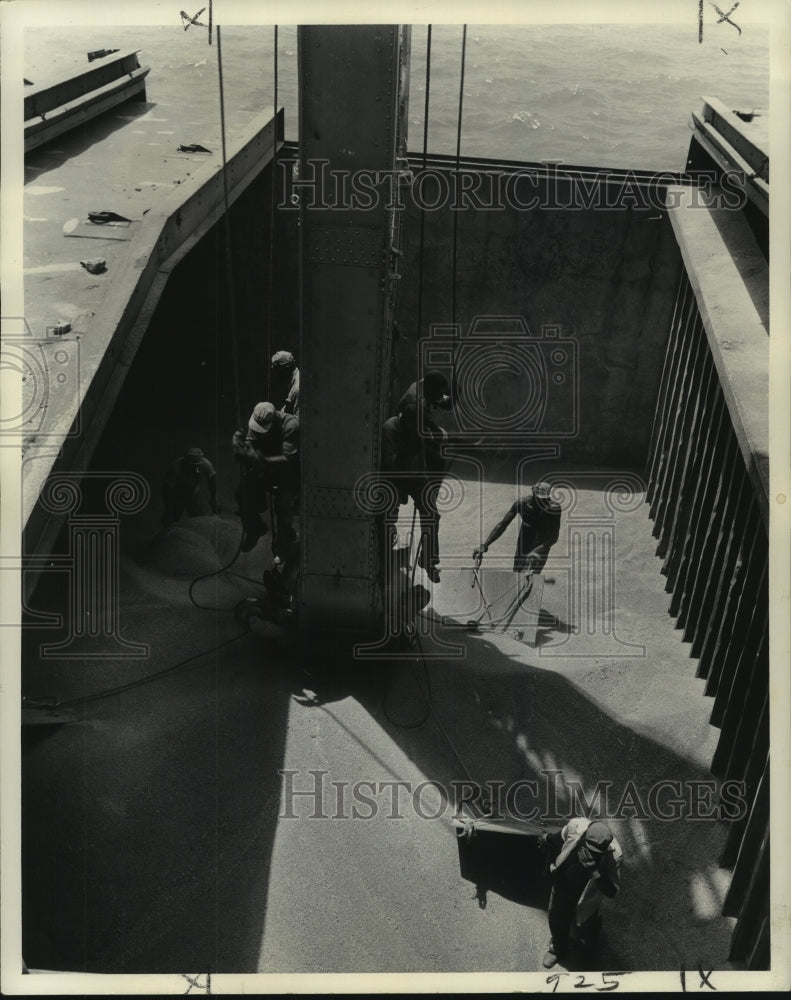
57,106
110,339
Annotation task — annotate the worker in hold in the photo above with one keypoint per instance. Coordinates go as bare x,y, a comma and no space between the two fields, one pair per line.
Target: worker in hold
585,863
285,382
268,451
190,486
412,449
538,532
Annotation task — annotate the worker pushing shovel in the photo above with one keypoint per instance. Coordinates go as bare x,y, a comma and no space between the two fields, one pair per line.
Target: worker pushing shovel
190,487
538,532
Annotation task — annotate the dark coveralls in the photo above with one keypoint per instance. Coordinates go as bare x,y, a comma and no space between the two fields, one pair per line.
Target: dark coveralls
411,447
182,489
538,532
279,478
569,880
286,384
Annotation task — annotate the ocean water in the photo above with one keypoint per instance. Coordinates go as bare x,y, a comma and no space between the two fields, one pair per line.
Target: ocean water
596,95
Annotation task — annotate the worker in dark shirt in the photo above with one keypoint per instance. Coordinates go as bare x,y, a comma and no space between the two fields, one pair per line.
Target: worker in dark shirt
183,487
585,869
412,448
538,532
269,454
422,437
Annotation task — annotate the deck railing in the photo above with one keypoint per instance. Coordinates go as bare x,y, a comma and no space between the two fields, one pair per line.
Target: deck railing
713,541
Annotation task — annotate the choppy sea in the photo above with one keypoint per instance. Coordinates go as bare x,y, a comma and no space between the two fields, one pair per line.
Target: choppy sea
596,95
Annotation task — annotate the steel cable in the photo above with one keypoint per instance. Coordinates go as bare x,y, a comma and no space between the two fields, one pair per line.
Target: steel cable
419,331
453,209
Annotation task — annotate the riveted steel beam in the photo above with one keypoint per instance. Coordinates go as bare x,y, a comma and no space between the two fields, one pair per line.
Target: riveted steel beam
352,114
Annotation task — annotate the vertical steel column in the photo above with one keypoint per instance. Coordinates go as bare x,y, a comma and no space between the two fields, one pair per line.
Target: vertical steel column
350,108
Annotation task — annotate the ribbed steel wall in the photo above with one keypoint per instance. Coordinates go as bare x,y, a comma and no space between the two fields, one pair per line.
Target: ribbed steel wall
714,545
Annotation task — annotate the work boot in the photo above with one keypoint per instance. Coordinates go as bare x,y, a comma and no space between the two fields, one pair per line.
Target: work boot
553,955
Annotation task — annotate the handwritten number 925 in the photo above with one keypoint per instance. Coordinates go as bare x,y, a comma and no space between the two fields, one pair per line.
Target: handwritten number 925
608,981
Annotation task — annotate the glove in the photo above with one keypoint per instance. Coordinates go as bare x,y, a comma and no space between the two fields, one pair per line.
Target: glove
477,554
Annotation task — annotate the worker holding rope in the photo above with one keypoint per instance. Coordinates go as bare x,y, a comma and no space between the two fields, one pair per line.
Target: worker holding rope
585,869
268,452
412,448
285,382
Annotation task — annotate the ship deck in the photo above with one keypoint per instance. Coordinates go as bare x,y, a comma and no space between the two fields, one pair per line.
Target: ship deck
171,850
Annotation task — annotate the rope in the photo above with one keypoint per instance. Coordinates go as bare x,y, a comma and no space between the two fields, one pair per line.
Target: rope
429,698
423,211
272,229
71,703
455,213
461,94
228,261
419,544
231,309
216,572
424,719
410,725
441,728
